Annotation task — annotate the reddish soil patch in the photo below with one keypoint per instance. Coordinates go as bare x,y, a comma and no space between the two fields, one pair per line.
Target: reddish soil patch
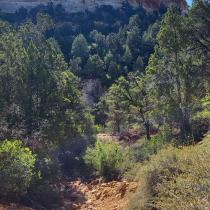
96,195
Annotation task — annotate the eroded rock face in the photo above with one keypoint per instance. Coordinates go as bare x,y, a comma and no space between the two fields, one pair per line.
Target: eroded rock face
92,90
73,6
154,4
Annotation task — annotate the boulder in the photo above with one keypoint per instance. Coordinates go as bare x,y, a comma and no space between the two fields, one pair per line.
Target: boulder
95,182
90,187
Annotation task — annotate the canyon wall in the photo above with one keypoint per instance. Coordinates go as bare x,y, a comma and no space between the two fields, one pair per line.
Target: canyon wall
73,6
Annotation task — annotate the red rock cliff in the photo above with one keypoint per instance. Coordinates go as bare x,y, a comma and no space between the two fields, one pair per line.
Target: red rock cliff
154,4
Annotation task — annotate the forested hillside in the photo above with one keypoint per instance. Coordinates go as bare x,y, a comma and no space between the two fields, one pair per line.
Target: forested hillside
154,114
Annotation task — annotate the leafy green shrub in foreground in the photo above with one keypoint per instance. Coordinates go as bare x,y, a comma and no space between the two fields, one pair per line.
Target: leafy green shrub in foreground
16,164
47,164
175,179
105,158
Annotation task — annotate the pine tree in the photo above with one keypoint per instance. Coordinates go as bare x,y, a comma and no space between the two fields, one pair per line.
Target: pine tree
127,57
80,47
36,82
167,66
114,70
74,65
108,59
139,65
129,98
94,67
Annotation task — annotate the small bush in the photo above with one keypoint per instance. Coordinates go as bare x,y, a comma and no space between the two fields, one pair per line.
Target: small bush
175,179
42,194
155,143
142,150
16,164
47,162
47,165
139,152
104,158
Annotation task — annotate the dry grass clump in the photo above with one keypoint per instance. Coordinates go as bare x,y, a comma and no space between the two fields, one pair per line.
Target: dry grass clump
175,179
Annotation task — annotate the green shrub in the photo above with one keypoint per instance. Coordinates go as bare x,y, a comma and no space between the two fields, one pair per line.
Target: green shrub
139,152
104,158
154,144
16,164
143,148
42,194
174,179
47,162
48,166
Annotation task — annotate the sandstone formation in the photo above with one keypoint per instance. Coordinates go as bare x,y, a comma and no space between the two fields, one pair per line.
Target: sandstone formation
73,6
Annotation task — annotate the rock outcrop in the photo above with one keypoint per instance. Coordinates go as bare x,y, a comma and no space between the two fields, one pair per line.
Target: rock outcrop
92,90
95,195
73,6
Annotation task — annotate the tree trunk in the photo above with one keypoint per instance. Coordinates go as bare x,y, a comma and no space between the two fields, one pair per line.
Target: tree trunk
146,124
118,126
181,115
178,81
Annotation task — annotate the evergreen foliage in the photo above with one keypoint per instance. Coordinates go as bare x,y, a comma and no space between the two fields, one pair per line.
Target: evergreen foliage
35,76
105,158
16,166
174,178
86,34
154,68
80,47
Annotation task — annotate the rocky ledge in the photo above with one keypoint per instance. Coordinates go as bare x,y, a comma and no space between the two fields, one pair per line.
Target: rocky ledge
73,6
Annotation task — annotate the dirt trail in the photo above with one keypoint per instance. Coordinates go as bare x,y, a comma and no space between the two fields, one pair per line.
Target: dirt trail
93,196
87,195
113,195
108,137
96,195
